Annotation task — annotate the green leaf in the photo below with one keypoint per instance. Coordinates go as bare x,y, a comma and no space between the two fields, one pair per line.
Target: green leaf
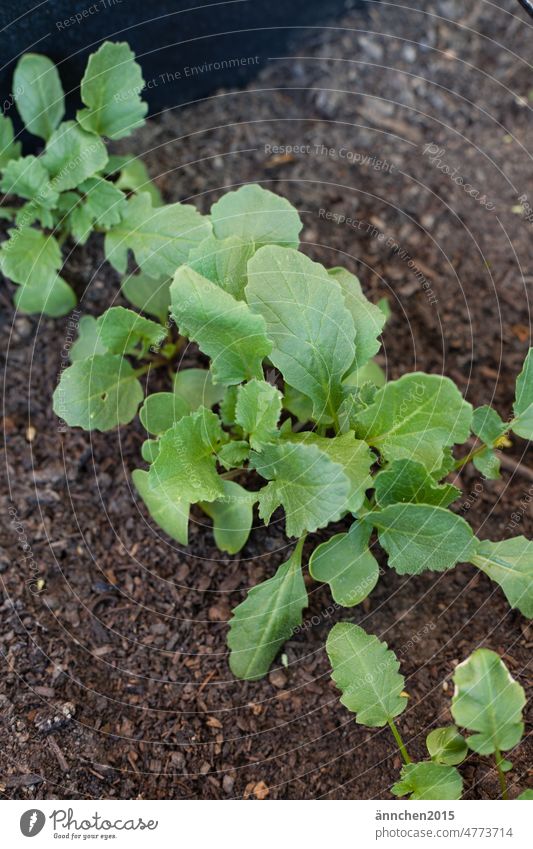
72,155
38,94
232,516
266,618
487,463
418,537
126,332
185,468
171,515
148,294
526,794
258,410
30,258
160,237
150,450
446,746
510,564
366,672
352,454
224,262
196,388
103,202
415,418
9,148
54,298
98,393
488,701
368,319
311,329
28,178
256,215
233,454
133,177
110,89
225,329
523,405
406,481
161,410
310,487
88,342
347,565
489,427
429,781
371,372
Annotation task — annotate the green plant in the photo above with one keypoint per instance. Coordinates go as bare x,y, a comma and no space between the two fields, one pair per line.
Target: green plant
73,187
293,403
487,701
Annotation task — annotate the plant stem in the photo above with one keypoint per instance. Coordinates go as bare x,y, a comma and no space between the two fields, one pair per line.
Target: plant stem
501,774
401,745
462,461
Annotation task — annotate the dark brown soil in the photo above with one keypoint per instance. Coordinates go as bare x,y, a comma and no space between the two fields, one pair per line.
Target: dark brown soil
115,682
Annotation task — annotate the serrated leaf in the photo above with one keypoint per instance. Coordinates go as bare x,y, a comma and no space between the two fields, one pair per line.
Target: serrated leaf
161,410
98,393
306,318
148,294
523,405
224,262
368,319
353,455
124,331
510,564
224,329
102,201
88,342
171,515
297,403
38,94
196,388
416,418
160,237
53,297
266,618
366,672
185,468
418,537
347,565
256,215
110,89
446,746
310,487
488,701
429,781
9,148
258,410
72,155
406,481
233,454
232,516
28,178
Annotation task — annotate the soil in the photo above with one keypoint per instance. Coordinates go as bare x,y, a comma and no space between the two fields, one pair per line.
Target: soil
115,682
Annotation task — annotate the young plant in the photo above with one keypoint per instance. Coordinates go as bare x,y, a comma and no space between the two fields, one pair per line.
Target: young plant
292,413
73,187
487,700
